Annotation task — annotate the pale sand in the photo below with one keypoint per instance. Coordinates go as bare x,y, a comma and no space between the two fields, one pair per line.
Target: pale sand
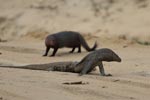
114,20
130,80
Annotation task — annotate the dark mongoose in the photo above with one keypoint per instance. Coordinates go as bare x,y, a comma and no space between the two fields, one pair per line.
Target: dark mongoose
68,39
86,65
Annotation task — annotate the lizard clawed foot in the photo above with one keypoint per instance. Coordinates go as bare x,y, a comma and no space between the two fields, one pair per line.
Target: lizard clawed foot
108,75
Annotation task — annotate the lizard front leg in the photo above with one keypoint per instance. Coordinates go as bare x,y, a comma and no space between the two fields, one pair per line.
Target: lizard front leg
101,69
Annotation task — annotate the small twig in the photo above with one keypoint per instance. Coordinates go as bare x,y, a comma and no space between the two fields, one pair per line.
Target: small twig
116,80
1,98
76,83
3,40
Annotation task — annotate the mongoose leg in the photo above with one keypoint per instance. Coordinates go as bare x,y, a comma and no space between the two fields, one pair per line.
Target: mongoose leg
72,50
54,52
46,52
79,49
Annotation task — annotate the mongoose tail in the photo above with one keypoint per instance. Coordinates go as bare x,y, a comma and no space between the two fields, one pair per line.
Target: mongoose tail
85,45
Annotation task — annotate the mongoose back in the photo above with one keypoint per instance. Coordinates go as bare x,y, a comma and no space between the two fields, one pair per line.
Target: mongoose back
68,39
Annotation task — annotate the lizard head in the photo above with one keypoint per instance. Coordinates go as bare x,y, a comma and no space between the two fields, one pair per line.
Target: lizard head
109,55
115,57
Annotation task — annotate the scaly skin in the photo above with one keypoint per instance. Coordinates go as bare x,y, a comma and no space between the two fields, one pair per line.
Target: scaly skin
86,65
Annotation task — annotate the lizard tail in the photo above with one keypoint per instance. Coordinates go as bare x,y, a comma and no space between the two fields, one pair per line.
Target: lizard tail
31,67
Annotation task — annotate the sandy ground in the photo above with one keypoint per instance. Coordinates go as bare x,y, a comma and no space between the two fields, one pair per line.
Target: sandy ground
113,23
130,80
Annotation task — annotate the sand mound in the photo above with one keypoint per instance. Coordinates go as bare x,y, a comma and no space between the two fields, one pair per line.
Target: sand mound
37,18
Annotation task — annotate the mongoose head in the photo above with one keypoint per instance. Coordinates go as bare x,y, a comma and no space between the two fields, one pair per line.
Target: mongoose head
109,55
50,41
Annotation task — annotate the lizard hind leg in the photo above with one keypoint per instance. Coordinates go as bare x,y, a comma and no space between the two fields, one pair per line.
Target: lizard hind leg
87,68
